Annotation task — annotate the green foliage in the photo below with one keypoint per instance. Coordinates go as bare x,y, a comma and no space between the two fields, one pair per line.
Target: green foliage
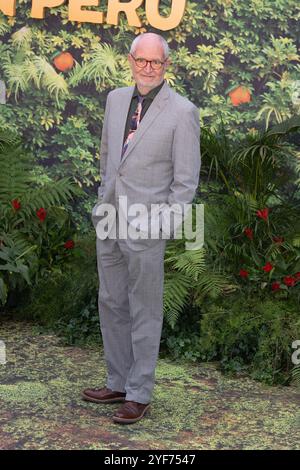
66,300
182,339
211,312
219,46
215,49
296,375
187,280
246,335
251,334
239,180
33,225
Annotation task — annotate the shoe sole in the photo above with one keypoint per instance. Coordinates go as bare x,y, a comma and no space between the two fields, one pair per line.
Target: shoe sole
107,400
132,420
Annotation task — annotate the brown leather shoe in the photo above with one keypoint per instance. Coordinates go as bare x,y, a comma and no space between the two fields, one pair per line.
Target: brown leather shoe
103,395
130,412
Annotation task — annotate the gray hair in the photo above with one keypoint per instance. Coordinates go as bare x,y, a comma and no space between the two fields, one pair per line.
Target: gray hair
164,43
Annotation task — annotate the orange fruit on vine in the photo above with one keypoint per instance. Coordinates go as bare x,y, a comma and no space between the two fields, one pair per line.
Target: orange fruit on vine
240,95
63,61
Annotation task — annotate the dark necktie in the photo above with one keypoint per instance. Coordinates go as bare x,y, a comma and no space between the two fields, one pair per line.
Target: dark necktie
135,120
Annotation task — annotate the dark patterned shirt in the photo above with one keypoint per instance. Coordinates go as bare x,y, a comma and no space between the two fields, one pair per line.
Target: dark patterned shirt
146,104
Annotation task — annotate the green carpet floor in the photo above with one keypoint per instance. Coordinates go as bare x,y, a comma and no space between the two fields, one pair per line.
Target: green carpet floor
193,407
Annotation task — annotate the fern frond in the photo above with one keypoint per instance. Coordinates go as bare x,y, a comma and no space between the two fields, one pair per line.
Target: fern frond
16,244
211,284
14,176
16,181
6,138
56,193
296,375
15,74
190,262
4,26
176,293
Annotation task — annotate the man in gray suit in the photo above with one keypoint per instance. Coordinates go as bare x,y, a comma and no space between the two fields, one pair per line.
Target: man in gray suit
150,153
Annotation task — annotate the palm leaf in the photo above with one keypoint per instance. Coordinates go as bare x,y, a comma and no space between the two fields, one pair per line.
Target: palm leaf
22,38
27,68
289,125
103,66
49,78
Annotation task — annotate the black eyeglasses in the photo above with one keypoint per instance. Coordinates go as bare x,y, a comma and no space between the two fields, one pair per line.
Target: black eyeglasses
141,63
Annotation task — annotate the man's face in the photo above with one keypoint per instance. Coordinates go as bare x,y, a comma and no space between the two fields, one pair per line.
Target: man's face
147,78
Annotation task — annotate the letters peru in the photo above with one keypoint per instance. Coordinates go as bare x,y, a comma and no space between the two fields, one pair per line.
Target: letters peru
114,8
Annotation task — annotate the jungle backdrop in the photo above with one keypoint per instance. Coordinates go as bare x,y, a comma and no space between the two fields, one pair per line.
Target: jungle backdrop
238,61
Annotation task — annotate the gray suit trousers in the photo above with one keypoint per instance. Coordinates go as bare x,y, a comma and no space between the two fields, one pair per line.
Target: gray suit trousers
131,314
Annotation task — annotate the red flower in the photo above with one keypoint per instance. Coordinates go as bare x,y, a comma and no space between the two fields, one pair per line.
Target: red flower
263,213
244,273
69,244
41,213
297,276
16,204
289,281
248,232
278,239
275,286
268,267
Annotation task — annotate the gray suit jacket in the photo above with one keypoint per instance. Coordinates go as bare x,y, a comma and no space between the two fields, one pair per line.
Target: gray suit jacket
162,161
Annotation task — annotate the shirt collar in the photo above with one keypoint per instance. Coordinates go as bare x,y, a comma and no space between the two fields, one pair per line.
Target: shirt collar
151,95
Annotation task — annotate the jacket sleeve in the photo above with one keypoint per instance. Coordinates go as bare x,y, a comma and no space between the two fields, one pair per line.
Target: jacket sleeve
104,149
186,159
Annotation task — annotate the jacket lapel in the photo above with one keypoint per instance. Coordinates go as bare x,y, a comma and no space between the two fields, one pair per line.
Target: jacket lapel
121,118
157,105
